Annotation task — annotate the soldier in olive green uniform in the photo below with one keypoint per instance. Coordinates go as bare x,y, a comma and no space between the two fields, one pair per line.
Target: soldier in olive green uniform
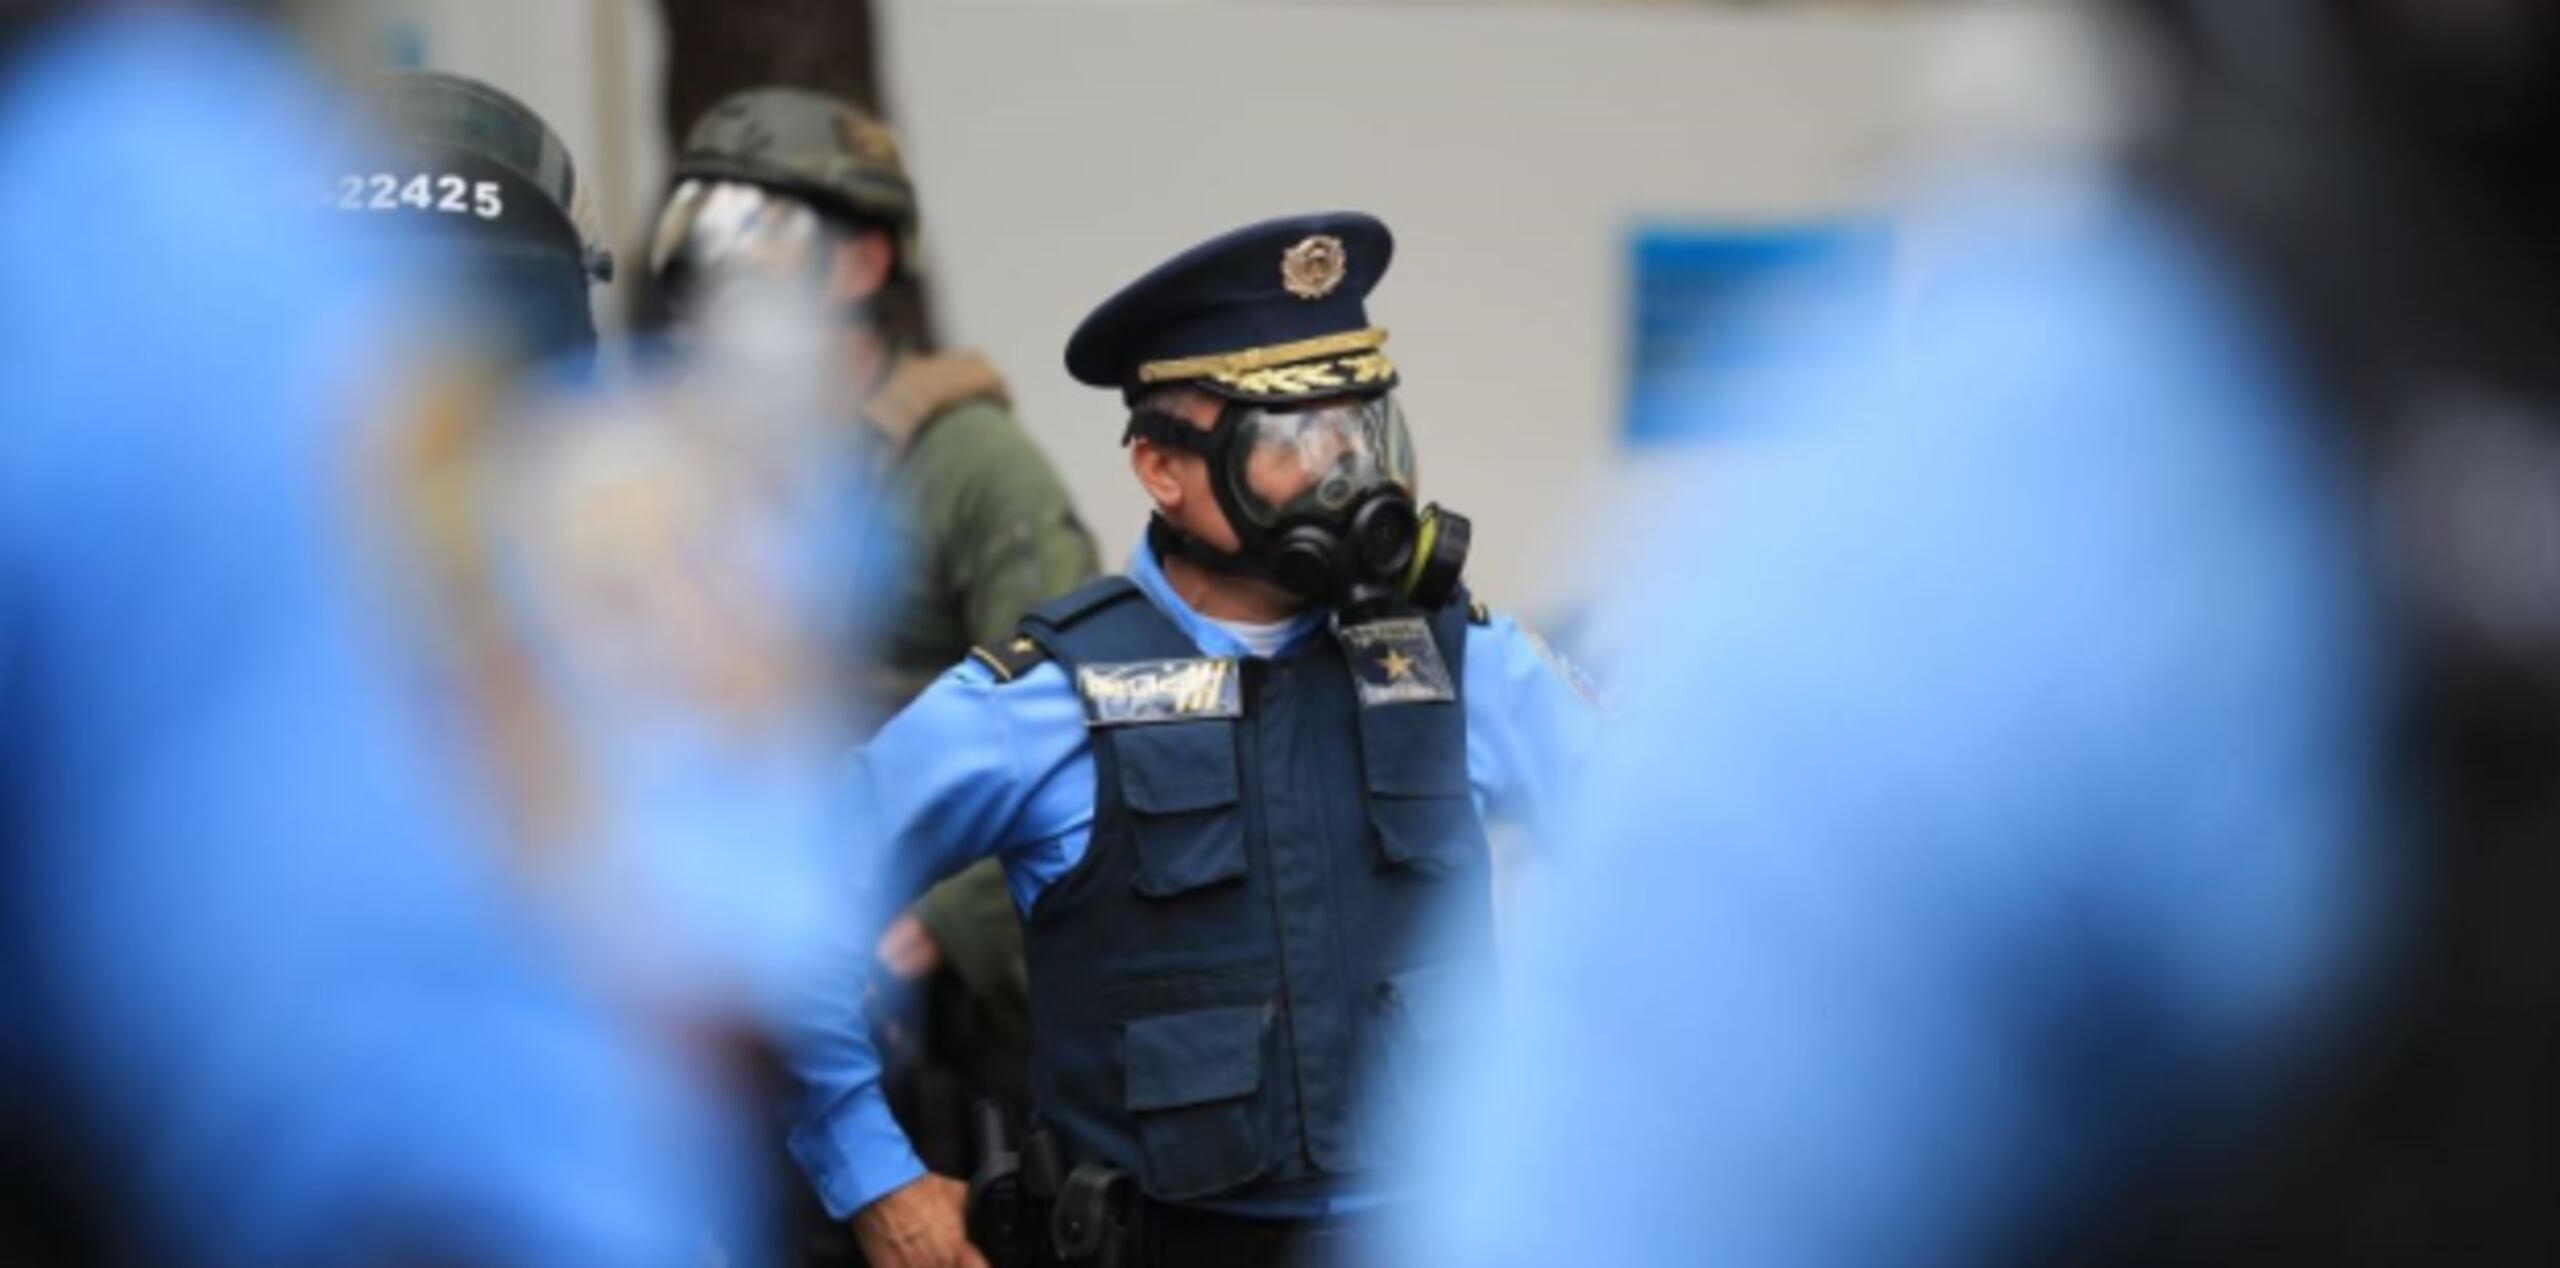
798,184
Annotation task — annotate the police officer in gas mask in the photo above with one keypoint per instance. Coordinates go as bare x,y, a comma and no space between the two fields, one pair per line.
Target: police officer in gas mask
1228,787
489,189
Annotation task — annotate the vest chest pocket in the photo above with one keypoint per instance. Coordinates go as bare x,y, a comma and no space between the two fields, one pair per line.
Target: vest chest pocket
1414,757
1424,1018
1179,781
1194,1088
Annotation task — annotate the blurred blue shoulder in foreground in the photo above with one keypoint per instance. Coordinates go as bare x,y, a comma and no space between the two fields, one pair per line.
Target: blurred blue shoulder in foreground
1994,803
258,943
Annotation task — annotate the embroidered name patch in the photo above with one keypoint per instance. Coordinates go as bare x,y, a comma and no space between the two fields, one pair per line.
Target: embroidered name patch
1138,692
1395,661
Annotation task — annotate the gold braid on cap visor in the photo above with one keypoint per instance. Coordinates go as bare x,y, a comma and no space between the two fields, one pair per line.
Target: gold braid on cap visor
1349,360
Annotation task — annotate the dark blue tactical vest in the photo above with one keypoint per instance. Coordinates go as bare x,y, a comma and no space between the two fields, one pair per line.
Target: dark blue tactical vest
1237,952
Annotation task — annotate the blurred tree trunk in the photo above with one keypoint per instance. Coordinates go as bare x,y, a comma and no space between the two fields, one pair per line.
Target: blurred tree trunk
717,47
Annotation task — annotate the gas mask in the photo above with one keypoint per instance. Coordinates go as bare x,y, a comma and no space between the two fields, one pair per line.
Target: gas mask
1321,498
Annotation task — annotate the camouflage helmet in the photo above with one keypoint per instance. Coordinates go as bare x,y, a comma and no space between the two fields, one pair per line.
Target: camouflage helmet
808,144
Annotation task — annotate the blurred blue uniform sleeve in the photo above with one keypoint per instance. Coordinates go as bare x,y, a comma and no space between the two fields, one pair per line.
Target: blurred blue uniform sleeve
303,1018
972,768
1989,784
1531,722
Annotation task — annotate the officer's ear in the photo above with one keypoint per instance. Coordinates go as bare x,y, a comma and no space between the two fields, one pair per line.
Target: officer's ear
1160,471
863,262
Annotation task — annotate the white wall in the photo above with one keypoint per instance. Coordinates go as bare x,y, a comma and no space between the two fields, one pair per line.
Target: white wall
1063,148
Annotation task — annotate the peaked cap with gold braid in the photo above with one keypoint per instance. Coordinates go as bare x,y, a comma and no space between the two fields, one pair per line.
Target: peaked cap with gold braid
1272,312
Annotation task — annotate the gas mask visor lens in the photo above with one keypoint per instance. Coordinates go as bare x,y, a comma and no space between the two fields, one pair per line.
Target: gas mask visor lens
712,229
1319,463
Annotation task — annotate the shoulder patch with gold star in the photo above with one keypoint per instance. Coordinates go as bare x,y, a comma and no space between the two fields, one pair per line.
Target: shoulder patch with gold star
1011,659
1395,661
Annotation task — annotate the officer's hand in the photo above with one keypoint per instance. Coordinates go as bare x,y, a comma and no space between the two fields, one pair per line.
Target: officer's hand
908,948
924,1225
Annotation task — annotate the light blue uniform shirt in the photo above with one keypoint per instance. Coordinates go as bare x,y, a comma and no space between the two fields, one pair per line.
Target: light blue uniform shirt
977,768
2003,800
261,951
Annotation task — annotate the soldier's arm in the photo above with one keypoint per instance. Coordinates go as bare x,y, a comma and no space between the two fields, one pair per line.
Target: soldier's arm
974,924
967,772
1007,534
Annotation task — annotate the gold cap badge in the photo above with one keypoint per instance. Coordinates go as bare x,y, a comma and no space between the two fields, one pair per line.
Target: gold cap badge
1313,268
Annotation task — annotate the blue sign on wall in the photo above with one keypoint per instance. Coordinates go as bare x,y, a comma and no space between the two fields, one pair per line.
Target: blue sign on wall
1702,312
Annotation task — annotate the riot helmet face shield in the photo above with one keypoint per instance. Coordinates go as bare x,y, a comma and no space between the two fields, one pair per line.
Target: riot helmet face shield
537,298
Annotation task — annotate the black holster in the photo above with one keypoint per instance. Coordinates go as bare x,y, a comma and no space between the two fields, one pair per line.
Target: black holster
1023,1213
1094,1222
